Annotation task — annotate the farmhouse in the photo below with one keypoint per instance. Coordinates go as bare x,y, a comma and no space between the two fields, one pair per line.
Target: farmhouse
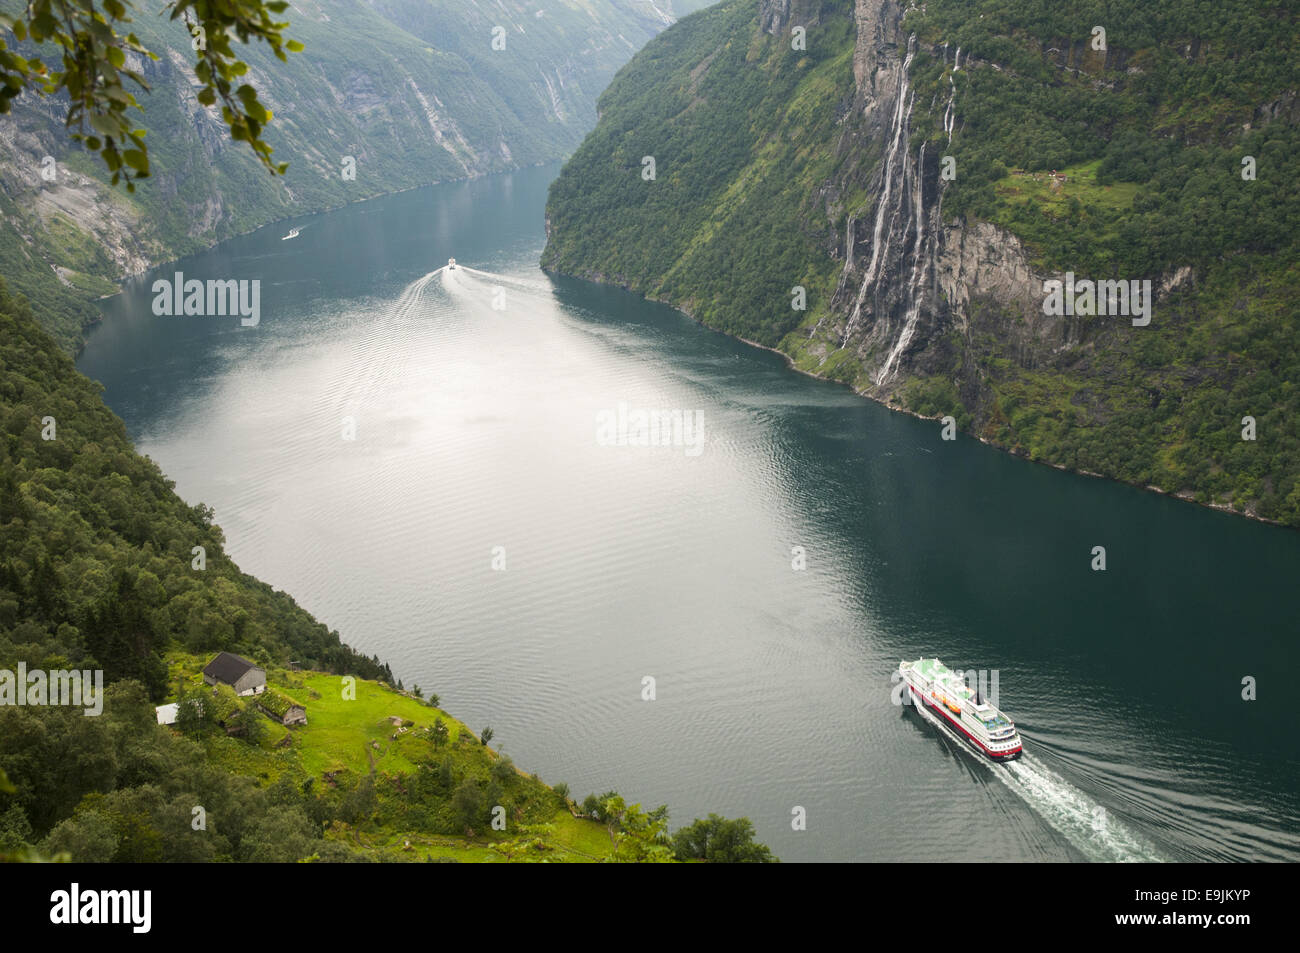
282,708
239,673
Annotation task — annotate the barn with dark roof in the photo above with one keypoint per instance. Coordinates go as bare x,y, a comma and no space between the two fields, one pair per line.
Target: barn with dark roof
239,673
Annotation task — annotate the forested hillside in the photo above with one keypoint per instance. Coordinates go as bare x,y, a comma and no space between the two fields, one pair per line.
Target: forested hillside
101,570
384,97
97,561
921,173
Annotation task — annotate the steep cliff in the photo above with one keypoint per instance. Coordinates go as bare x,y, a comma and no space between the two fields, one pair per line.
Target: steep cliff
924,174
407,93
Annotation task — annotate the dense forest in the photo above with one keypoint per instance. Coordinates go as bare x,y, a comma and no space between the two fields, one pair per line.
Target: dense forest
104,568
1177,153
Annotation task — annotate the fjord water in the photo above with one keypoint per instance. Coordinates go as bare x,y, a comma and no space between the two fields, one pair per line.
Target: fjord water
476,428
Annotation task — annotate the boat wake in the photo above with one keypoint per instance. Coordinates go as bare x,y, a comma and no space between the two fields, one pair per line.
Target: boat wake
534,286
384,357
1082,821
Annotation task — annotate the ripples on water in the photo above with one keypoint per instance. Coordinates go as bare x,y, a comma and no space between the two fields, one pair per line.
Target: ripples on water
475,428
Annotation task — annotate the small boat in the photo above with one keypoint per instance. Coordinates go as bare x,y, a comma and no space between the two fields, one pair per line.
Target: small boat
451,264
293,233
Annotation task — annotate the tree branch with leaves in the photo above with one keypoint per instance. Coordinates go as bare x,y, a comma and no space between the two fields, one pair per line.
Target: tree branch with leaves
91,49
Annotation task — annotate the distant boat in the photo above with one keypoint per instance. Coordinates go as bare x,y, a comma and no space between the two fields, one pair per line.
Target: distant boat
451,264
293,233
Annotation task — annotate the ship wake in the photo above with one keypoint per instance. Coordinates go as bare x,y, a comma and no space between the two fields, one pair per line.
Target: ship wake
1084,823
1078,818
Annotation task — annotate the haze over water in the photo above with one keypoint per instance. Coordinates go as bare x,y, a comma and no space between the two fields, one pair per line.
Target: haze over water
477,428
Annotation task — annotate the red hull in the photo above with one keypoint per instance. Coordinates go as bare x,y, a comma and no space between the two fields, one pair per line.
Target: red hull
1008,755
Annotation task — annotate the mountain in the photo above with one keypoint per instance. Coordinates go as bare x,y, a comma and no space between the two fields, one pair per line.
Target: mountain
924,175
411,91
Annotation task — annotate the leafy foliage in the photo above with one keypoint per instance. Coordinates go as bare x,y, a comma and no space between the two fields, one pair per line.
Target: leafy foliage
93,70
720,841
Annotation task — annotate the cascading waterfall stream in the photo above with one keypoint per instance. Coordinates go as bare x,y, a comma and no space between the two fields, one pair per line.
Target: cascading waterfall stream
920,264
902,112
900,233
949,116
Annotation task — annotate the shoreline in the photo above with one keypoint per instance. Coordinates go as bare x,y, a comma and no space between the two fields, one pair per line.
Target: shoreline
790,363
121,279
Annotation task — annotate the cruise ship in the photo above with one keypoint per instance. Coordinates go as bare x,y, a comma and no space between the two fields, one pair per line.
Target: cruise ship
945,696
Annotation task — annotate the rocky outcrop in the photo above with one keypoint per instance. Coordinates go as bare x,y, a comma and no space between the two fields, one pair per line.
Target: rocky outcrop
779,16
876,58
48,194
885,304
909,280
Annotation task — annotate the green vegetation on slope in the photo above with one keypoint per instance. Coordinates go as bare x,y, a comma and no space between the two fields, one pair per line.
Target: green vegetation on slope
97,553
1151,135
1162,111
736,122
98,572
755,180
413,93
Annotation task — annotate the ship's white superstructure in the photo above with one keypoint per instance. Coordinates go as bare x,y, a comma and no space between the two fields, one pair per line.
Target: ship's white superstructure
959,709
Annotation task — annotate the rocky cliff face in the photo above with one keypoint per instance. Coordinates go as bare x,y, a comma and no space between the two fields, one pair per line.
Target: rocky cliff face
412,94
829,175
909,280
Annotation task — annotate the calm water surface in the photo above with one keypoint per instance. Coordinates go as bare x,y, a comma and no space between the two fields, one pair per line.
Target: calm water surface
476,428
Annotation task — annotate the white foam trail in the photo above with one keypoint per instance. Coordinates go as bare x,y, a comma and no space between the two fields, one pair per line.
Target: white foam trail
1082,821
381,363
509,279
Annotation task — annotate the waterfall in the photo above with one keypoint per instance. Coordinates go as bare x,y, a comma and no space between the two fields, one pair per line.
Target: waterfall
913,284
902,113
897,282
948,112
